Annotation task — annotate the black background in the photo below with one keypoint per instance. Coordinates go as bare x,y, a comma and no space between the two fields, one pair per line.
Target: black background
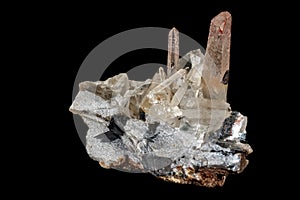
65,35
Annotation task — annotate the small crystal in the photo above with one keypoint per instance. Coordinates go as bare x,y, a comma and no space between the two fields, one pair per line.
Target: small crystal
173,51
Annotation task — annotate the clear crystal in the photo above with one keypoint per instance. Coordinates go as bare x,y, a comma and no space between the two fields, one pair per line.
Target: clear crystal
173,51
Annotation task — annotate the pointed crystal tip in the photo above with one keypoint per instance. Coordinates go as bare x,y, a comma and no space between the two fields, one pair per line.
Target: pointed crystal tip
173,29
221,20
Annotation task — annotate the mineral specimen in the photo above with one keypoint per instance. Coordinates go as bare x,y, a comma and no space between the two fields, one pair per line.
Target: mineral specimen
177,125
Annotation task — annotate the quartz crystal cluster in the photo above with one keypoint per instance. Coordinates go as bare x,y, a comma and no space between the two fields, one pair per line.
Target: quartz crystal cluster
177,125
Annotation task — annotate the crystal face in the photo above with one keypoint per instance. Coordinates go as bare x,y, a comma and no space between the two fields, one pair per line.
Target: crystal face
177,125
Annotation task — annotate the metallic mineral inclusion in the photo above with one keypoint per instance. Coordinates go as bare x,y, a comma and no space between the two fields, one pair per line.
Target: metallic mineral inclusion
177,125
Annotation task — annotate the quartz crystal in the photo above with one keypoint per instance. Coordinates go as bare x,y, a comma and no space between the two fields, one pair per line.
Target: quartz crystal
177,125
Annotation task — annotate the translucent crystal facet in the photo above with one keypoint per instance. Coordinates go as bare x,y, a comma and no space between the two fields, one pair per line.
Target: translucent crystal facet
173,51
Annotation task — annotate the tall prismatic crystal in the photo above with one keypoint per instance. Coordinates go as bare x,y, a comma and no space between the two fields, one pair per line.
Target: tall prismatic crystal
173,51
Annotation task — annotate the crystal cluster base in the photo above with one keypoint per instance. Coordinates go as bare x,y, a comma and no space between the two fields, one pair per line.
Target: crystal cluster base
177,125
